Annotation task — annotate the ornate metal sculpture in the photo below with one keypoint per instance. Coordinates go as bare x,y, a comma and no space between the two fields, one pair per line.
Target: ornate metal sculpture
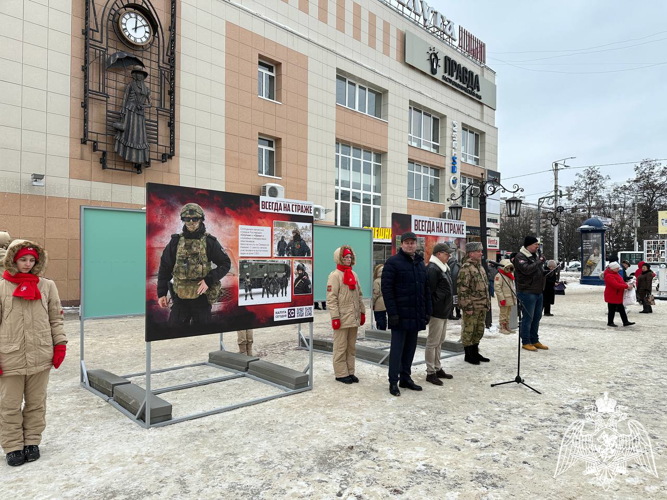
482,189
130,124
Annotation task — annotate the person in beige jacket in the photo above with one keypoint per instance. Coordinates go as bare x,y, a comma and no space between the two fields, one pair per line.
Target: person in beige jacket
379,310
4,243
32,340
346,307
505,291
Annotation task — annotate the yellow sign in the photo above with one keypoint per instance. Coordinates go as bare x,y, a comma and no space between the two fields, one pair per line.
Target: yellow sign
662,222
381,233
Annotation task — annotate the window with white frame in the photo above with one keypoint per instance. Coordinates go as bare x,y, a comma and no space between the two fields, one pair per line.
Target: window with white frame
266,78
266,157
423,182
358,186
469,146
358,97
424,130
471,197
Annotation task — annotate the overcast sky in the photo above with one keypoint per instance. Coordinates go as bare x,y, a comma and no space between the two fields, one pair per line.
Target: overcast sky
550,111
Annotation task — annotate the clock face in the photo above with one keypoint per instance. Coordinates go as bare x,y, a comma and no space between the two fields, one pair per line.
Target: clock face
135,27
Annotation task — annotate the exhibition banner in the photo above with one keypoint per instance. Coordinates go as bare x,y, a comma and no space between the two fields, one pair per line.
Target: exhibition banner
429,231
218,262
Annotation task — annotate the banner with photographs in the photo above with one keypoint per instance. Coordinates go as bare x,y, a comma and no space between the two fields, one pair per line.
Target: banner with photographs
218,262
429,232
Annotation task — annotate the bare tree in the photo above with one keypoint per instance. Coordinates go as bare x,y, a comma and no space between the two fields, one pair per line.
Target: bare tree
588,190
650,188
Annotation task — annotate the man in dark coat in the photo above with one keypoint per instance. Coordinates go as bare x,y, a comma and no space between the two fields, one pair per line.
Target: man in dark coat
407,298
529,278
186,260
282,247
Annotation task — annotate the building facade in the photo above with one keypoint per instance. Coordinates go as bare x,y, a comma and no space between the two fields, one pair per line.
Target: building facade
354,106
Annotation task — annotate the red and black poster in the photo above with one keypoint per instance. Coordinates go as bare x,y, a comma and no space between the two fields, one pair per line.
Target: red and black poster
218,262
429,232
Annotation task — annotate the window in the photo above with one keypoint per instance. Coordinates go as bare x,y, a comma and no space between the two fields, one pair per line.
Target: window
266,157
358,186
471,197
358,97
469,146
266,78
423,182
424,130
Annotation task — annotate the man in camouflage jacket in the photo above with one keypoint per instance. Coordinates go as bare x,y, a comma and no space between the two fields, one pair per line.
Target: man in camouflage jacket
473,290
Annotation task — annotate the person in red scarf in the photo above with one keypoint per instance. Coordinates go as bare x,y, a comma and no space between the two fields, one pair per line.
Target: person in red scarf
505,291
348,313
32,340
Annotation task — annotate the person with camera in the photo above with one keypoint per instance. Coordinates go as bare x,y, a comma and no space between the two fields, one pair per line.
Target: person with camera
529,276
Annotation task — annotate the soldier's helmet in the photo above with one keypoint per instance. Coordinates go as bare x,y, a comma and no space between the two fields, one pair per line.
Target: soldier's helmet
265,274
192,210
296,231
301,267
247,274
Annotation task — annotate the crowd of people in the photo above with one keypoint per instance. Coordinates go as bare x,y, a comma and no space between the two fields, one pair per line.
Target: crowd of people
409,294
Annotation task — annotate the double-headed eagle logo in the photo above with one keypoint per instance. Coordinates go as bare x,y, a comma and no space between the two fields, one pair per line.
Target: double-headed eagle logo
605,451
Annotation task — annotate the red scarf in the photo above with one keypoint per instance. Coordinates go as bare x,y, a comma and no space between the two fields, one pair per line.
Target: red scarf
27,285
348,276
505,273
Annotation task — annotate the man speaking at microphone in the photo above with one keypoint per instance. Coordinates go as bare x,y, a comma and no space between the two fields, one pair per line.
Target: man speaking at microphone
529,276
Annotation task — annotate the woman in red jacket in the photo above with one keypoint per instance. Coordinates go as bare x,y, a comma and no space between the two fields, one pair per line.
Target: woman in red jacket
613,294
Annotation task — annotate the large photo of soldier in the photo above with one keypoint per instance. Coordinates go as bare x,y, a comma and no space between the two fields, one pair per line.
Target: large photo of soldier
303,272
264,282
292,239
196,281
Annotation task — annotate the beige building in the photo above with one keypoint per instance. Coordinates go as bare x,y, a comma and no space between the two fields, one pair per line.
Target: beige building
335,101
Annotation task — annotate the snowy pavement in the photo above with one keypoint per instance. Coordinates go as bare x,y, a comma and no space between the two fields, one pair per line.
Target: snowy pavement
463,440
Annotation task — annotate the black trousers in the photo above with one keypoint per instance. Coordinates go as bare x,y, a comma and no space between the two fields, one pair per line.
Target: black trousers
612,308
547,308
380,319
403,347
185,312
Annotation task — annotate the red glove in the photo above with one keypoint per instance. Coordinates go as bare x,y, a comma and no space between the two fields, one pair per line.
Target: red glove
363,319
58,355
502,303
335,323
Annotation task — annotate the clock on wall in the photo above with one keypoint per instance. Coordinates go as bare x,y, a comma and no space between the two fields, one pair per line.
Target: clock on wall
135,27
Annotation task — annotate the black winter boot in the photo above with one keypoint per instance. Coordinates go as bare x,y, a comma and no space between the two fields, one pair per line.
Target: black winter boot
15,458
479,356
31,452
470,355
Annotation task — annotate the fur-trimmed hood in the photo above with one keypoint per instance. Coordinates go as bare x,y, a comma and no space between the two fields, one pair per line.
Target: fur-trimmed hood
377,272
17,245
338,255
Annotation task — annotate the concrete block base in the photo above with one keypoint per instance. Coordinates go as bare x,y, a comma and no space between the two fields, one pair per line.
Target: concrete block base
233,360
104,381
371,354
277,374
131,396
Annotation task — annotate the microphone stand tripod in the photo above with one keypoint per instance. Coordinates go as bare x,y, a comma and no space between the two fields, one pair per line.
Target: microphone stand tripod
518,378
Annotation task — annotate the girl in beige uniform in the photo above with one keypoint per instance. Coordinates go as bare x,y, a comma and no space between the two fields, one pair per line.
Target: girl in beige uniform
32,340
346,307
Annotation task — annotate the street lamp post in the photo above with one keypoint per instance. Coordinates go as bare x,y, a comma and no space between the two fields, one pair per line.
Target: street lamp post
555,168
481,189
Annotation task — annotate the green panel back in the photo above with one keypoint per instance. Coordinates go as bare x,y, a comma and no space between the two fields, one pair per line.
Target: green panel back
325,240
113,262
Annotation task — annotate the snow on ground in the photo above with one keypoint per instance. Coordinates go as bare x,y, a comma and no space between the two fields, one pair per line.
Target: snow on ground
463,440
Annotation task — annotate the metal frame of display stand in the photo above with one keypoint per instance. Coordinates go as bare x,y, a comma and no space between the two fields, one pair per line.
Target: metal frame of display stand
306,345
235,374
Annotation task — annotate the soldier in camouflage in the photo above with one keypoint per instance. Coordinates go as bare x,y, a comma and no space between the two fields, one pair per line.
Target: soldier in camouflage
474,300
265,285
186,271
